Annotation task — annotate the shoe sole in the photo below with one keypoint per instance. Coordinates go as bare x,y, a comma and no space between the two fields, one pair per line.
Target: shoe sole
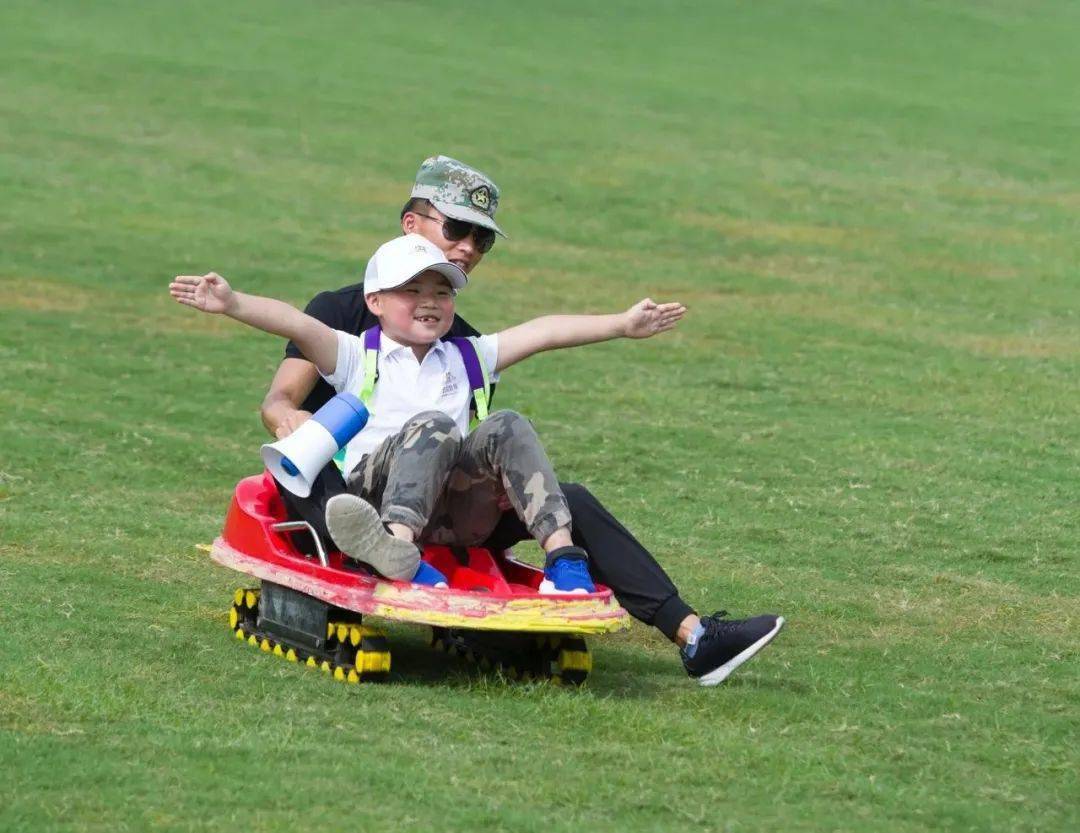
718,675
357,530
548,588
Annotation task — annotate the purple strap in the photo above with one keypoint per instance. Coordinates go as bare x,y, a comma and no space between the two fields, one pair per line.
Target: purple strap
472,362
373,338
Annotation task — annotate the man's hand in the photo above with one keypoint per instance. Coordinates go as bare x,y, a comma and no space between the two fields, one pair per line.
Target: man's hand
290,422
294,380
647,318
209,293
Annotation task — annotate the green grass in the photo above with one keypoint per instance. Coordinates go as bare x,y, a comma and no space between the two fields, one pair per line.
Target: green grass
867,422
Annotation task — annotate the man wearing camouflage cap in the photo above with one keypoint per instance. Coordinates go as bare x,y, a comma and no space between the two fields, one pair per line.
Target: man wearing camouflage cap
453,205
458,191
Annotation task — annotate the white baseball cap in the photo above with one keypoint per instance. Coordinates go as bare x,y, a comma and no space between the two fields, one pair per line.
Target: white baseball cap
398,261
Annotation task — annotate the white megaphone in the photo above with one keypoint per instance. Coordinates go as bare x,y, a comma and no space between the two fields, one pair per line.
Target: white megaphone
297,460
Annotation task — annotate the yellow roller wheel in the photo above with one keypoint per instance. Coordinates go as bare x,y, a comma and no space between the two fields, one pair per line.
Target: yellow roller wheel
373,662
575,661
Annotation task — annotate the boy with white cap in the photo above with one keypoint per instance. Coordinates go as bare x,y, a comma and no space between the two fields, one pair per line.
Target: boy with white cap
416,475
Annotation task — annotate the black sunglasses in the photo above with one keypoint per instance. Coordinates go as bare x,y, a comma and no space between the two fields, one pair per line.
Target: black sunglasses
454,230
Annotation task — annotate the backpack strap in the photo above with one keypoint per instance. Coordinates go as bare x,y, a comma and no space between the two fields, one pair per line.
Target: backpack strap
372,339
477,373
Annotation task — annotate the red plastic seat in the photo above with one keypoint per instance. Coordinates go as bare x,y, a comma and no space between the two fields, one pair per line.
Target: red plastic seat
256,506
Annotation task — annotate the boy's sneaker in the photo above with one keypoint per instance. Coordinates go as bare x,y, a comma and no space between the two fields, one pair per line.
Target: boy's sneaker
568,574
726,644
357,530
426,574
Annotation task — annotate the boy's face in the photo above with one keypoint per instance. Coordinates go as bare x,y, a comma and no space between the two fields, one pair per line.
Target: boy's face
416,313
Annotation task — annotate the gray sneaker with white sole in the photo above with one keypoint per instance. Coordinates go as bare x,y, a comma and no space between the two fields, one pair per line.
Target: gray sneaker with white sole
357,530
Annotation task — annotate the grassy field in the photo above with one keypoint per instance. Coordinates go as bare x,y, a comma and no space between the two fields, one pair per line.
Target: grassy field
868,422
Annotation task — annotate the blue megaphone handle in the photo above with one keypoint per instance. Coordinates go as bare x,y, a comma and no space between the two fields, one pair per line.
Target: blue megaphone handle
343,416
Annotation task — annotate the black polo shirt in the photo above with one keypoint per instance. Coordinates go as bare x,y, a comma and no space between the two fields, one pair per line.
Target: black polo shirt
345,309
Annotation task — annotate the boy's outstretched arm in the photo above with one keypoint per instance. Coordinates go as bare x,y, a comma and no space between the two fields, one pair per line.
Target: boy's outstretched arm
550,332
212,293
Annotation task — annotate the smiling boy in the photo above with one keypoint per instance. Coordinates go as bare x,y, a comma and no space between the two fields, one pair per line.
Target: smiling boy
416,475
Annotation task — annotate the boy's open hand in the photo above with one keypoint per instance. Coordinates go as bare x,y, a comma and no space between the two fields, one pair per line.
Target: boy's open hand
647,318
209,292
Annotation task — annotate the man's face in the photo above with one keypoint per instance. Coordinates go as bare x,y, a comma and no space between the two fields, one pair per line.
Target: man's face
462,253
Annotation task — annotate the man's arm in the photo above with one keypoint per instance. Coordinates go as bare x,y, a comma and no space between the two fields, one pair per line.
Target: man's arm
551,332
280,411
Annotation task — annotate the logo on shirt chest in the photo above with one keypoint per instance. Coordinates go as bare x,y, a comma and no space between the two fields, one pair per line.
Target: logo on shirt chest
450,385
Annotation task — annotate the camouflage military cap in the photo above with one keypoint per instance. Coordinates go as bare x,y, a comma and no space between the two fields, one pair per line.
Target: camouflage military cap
458,191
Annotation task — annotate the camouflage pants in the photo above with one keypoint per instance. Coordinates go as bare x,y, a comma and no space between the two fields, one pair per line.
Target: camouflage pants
447,490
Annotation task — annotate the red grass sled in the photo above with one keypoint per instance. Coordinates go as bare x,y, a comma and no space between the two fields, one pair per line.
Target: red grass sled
317,602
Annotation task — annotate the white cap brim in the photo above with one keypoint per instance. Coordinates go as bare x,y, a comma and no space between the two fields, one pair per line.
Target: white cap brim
452,273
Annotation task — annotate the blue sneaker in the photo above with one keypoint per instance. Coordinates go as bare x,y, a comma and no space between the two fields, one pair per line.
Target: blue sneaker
567,574
426,574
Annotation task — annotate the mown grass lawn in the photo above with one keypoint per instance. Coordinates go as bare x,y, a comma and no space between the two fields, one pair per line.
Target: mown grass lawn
868,422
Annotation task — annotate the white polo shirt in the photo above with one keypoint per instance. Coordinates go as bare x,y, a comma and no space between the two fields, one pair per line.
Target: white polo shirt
406,387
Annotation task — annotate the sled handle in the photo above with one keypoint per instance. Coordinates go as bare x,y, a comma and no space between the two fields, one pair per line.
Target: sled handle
296,526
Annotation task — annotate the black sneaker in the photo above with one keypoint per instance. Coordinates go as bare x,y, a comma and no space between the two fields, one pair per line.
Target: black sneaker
727,644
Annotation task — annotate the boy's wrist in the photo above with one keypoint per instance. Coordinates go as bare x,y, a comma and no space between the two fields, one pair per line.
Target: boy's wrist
232,304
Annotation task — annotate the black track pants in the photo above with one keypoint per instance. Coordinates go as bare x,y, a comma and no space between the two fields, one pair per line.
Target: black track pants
616,558
313,507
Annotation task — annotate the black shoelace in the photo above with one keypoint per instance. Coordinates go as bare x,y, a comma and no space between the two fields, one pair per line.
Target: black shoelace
718,623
